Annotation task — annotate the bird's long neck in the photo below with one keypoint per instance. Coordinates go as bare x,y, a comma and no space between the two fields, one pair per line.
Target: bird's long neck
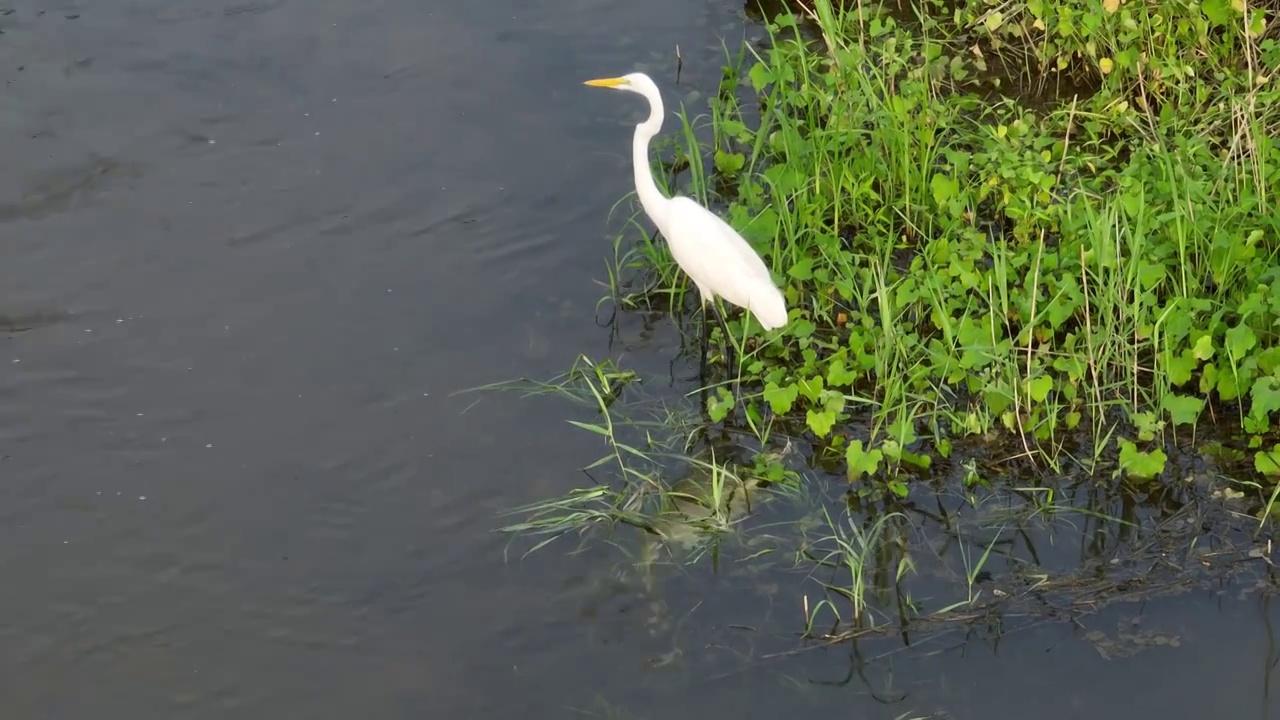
651,199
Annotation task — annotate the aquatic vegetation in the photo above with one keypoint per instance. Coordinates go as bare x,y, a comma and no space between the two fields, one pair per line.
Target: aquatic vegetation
1030,252
973,541
648,444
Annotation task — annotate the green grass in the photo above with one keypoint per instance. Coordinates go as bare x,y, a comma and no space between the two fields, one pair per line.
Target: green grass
960,266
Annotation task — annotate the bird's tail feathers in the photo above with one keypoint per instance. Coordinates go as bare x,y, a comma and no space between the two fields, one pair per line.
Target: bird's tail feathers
769,307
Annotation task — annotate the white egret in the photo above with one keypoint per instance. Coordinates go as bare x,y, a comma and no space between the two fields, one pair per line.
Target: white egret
718,260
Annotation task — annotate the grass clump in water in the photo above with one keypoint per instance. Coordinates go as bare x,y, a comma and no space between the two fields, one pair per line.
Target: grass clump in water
649,443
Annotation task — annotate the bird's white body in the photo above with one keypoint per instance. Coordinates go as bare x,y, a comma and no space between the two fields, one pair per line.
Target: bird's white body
713,254
720,262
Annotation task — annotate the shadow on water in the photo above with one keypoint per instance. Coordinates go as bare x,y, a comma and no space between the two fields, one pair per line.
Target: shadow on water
248,253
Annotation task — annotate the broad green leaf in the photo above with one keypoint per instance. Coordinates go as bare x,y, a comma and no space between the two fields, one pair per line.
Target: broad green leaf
917,459
1218,11
838,375
1145,423
802,328
902,428
944,188
1208,379
780,398
997,397
1039,387
1264,397
802,270
1267,462
1074,367
861,462
1138,464
833,402
811,387
1182,409
1240,340
1180,367
730,163
719,405
760,76
820,422
1227,387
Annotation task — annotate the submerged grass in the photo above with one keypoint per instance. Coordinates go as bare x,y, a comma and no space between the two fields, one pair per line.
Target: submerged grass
648,445
1081,295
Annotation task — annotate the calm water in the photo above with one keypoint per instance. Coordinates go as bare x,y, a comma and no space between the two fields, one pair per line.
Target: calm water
247,252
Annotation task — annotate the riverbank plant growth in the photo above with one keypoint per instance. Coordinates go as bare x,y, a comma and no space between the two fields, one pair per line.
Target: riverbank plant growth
1028,247
963,263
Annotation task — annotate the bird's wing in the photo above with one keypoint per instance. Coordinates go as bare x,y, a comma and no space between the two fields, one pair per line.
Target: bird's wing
718,259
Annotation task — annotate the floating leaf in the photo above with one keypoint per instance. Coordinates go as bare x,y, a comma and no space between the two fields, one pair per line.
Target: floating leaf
719,405
730,163
917,459
861,462
1138,464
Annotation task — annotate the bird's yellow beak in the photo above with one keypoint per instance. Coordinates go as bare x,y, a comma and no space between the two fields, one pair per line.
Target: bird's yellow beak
606,82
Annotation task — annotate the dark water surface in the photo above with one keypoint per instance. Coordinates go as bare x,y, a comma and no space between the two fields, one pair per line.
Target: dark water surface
247,252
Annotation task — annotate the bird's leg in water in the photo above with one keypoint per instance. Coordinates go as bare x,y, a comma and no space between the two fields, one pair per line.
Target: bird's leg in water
728,339
704,346
728,347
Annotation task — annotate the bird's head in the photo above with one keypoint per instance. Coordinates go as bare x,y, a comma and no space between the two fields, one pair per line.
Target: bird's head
634,82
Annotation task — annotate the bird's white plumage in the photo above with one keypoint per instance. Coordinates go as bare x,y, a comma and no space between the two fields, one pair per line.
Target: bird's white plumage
720,262
713,254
